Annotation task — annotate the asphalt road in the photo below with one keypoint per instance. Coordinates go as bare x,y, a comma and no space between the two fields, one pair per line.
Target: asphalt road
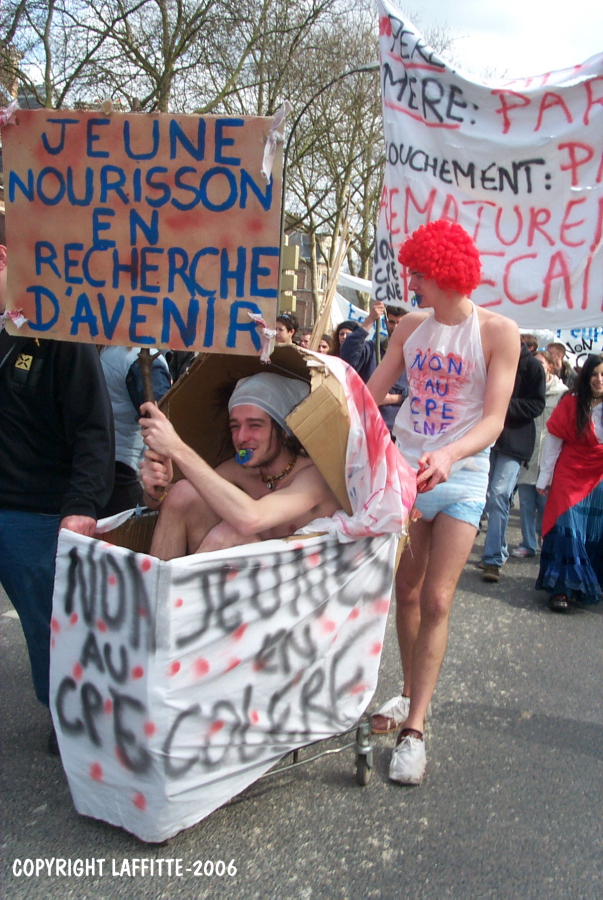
511,808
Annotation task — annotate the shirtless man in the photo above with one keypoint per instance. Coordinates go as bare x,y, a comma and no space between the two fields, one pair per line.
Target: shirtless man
461,363
269,490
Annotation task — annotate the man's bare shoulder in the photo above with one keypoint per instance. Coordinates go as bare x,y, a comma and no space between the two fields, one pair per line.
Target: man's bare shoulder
306,471
233,472
407,325
496,328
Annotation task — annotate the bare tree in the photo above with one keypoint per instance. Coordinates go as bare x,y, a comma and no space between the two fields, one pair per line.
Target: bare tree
51,49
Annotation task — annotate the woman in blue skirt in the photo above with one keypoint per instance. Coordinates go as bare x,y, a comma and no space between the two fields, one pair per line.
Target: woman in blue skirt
571,562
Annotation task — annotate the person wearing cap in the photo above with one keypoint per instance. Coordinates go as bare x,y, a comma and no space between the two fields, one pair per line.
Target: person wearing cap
461,362
269,490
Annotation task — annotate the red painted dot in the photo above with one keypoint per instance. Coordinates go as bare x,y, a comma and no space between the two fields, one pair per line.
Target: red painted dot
259,665
174,668
73,618
376,648
112,579
101,625
55,625
139,800
234,662
381,607
231,574
358,689
216,726
255,225
179,602
201,667
108,706
137,672
314,559
78,671
328,625
96,772
142,612
145,565
240,631
149,728
355,613
254,716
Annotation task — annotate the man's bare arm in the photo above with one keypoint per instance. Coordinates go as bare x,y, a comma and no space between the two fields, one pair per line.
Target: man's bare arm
500,337
392,365
227,500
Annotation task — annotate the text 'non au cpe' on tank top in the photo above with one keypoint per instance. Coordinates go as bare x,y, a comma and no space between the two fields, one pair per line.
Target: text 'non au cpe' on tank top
447,375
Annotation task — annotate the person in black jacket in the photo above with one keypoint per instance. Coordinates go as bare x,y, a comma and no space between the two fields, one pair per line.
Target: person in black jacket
514,447
56,469
361,354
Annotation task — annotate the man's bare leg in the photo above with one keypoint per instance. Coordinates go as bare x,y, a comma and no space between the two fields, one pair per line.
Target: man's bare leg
409,581
184,521
451,543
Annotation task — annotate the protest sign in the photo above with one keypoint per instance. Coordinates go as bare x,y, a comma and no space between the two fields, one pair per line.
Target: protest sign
519,165
174,685
145,230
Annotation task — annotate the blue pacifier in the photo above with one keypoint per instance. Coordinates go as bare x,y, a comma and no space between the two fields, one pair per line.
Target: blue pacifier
416,300
243,456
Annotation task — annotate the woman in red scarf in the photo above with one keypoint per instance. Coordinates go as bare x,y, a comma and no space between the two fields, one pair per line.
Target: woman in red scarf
571,564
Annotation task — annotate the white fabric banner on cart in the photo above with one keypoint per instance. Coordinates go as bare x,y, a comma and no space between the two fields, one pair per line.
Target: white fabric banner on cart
518,164
175,685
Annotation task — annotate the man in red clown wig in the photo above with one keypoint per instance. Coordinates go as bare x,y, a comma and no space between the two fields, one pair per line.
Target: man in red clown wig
460,361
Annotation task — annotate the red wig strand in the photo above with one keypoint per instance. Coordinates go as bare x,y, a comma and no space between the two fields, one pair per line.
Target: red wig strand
444,252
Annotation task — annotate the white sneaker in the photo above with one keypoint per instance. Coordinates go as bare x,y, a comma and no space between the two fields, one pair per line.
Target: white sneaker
408,761
392,715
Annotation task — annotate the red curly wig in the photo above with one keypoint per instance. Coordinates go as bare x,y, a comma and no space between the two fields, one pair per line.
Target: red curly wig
443,251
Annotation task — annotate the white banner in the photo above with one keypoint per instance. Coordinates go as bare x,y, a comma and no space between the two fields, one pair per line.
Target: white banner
175,685
519,165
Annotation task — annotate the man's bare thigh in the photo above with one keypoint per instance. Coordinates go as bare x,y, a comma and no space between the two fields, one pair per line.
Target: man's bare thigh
436,553
450,546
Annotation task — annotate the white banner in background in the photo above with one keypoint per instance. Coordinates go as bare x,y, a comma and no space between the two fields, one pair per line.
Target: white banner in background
519,165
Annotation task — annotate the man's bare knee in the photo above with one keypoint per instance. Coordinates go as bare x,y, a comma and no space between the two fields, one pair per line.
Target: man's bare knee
180,497
435,608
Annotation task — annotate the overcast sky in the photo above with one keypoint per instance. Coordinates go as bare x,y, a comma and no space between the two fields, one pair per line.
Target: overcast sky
514,38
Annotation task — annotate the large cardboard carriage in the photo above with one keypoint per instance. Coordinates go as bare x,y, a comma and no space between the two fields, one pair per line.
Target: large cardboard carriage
174,685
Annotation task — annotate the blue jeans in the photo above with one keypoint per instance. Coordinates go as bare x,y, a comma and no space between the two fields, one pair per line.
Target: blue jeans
504,472
531,508
28,546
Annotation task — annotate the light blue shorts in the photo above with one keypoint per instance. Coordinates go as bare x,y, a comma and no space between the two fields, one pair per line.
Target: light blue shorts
462,497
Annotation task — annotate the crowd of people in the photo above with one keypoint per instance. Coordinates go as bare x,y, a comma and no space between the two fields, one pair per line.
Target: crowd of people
491,415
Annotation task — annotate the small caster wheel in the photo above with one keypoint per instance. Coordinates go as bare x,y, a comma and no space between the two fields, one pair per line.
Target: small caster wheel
363,770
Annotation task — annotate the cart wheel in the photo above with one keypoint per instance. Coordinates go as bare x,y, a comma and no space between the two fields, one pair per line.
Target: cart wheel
363,770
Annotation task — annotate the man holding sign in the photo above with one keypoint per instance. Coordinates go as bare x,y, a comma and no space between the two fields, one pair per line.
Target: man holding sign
56,468
461,362
269,490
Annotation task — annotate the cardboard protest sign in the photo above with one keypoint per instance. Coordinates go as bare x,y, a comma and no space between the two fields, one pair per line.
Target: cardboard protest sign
519,165
145,230
174,685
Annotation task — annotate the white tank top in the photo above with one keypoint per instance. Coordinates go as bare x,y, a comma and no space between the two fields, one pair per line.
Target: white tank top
447,375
